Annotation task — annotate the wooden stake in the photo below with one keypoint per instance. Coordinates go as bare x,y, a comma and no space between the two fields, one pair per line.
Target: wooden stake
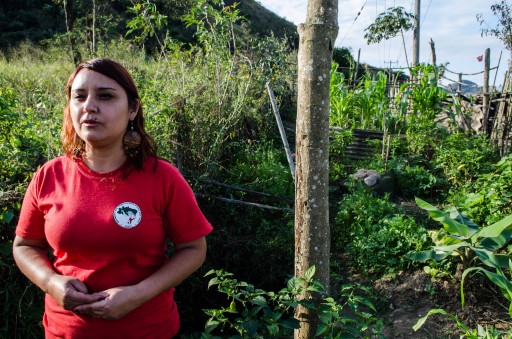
282,131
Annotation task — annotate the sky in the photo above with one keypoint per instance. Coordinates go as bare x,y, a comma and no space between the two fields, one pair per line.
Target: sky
451,24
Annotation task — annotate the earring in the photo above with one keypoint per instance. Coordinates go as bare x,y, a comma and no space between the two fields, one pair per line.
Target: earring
131,141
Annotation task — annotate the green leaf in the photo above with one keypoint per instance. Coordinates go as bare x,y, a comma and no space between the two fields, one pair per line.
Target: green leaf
310,272
452,226
423,256
211,325
251,326
325,318
291,323
321,330
491,259
6,248
421,321
7,216
496,229
451,248
259,300
497,242
214,281
498,279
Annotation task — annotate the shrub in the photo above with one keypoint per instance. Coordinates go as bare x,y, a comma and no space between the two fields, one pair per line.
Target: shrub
488,199
463,157
358,213
383,250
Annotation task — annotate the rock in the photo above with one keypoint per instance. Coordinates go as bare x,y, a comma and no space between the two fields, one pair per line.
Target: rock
361,174
371,179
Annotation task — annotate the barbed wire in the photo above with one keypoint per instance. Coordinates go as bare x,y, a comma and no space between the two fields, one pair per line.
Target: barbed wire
449,71
460,83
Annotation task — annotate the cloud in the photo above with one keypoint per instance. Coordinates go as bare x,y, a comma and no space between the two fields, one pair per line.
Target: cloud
451,24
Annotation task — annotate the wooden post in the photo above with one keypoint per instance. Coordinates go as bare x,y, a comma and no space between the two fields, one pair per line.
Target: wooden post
459,84
486,94
433,49
357,67
498,133
416,34
289,156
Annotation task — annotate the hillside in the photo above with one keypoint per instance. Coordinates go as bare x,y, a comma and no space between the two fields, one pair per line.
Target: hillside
38,20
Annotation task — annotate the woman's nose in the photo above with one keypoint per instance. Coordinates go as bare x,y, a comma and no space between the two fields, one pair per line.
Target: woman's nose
90,105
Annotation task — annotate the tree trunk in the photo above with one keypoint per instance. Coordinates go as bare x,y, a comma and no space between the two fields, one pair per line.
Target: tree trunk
68,13
312,232
94,14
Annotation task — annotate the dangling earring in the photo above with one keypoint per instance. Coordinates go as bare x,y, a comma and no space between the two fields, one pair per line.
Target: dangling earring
131,141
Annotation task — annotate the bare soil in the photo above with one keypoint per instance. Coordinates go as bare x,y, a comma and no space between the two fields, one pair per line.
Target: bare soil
410,296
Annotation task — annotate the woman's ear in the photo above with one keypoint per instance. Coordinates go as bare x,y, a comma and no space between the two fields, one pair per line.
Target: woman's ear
134,110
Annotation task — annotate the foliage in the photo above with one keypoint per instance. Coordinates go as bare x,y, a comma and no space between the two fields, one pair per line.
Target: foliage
351,315
29,121
148,20
263,167
480,332
383,249
498,277
42,20
371,103
346,64
337,161
356,216
255,313
425,94
388,25
415,178
488,198
341,99
462,158
503,29
463,238
375,233
365,106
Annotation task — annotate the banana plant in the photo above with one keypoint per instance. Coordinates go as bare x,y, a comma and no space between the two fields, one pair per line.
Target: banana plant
463,238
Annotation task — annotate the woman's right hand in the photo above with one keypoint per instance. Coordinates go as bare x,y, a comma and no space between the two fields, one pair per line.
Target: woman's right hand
32,258
69,292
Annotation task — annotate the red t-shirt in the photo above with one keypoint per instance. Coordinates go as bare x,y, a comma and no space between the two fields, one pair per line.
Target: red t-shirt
110,231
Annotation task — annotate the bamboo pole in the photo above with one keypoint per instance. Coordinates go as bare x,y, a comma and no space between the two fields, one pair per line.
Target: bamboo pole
486,96
281,130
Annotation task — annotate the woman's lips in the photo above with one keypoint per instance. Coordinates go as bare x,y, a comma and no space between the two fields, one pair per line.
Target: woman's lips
89,122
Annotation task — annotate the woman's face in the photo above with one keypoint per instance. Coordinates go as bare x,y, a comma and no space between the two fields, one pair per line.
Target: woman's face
99,109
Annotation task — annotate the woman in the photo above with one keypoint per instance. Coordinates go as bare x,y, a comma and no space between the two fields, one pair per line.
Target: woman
105,209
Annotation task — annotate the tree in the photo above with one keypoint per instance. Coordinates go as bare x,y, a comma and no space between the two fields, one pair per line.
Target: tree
503,28
70,20
388,24
312,233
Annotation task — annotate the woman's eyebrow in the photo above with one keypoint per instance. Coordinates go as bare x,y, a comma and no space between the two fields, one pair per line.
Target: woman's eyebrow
99,89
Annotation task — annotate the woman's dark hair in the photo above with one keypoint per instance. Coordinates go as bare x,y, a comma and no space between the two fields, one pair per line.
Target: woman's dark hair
74,145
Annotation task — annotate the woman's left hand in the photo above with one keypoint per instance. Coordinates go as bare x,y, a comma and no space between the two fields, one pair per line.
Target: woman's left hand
120,302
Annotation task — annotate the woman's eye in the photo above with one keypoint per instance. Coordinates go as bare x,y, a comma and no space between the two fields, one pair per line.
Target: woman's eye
106,96
78,96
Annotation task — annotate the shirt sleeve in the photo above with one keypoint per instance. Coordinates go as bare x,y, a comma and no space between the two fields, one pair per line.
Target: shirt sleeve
183,218
31,221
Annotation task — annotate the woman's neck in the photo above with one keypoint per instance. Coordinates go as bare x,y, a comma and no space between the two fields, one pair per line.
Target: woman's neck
103,161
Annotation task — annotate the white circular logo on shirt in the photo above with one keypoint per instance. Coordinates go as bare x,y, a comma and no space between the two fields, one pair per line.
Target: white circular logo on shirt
127,215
